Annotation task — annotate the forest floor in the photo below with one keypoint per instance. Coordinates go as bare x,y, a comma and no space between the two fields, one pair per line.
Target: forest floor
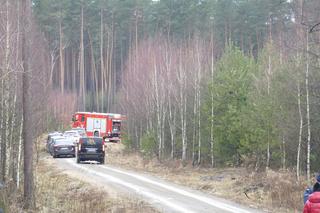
269,191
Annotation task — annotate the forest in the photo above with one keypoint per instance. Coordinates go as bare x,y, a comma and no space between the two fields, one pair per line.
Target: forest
211,83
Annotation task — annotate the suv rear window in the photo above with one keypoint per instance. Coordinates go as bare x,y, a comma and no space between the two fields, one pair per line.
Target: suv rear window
91,142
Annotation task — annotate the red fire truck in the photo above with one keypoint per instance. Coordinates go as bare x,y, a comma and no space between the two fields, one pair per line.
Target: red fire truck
106,125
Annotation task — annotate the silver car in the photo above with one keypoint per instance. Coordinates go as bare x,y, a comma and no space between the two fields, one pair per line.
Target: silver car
72,135
62,147
81,131
51,140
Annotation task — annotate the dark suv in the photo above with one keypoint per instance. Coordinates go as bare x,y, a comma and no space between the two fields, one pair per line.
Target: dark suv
90,148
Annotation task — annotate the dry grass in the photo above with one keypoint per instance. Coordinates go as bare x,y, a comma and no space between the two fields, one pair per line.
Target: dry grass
11,198
57,192
270,191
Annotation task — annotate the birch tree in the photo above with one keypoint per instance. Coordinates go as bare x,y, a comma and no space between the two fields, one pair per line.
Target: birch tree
308,109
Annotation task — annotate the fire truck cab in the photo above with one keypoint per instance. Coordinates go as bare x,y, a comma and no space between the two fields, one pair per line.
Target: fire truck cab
106,125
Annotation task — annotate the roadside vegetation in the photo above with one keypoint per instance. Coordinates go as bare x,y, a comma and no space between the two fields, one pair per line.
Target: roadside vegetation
272,191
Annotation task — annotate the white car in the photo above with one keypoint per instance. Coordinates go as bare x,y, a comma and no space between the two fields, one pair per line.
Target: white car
81,131
74,135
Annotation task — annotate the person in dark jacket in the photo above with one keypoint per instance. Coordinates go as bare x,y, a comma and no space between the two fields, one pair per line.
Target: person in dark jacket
307,193
313,203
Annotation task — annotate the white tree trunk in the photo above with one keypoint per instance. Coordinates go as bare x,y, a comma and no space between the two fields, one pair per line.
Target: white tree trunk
158,111
6,97
12,133
199,103
308,111
182,107
212,108
268,75
195,105
19,153
283,153
172,125
300,132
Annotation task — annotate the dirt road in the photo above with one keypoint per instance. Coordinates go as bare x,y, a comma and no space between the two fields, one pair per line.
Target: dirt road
163,195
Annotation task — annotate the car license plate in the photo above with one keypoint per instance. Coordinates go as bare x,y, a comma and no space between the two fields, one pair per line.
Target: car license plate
64,148
91,150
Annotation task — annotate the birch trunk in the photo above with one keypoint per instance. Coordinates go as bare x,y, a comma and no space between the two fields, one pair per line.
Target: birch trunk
5,100
158,111
299,30
7,141
195,104
199,105
268,75
212,109
19,152
183,108
308,111
12,147
199,126
300,132
283,153
172,126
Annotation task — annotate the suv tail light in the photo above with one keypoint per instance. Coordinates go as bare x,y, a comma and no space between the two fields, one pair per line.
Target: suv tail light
80,142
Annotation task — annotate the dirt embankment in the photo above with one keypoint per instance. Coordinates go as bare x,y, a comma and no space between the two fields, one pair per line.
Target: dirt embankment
271,191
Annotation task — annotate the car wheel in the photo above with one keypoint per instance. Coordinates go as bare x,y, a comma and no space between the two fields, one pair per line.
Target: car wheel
102,161
54,156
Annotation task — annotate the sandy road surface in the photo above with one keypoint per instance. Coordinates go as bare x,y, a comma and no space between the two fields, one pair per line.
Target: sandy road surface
165,196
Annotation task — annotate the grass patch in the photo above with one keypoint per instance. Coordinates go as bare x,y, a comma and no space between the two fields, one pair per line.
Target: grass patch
57,192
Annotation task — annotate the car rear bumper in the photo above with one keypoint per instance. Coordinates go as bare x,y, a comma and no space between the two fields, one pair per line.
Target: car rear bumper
64,152
91,156
114,139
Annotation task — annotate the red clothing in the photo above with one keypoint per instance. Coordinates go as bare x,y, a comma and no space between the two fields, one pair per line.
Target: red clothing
313,203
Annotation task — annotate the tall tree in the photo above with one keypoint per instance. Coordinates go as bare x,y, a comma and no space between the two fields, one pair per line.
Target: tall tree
81,62
27,119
